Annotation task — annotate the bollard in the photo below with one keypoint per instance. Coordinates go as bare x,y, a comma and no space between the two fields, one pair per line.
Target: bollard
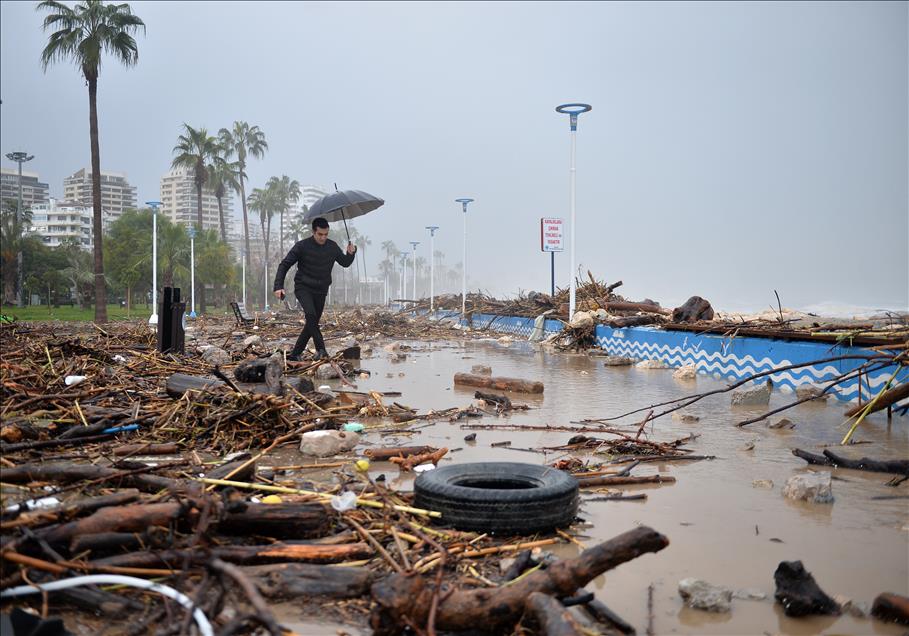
171,334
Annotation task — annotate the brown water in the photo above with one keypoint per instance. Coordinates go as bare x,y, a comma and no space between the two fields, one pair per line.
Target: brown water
720,526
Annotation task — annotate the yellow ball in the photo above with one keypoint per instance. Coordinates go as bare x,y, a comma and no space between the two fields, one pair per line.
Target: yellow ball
272,499
362,465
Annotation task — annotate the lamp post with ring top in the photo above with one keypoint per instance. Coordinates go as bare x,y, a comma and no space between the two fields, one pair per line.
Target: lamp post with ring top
153,320
432,267
464,203
191,230
572,110
413,266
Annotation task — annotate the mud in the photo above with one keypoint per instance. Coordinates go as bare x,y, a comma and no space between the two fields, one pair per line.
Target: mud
723,528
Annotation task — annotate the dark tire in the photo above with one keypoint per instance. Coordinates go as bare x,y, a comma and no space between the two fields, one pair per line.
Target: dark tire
499,497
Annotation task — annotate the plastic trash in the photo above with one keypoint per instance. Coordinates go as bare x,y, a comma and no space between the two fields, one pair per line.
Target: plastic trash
422,468
353,427
70,380
326,389
362,465
345,501
119,358
33,504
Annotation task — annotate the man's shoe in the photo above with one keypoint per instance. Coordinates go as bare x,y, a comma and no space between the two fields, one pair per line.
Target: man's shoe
322,354
294,357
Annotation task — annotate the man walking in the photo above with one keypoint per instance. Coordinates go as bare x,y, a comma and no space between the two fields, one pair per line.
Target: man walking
314,257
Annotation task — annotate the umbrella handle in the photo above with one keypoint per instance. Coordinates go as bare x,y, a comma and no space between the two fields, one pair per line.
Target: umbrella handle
344,218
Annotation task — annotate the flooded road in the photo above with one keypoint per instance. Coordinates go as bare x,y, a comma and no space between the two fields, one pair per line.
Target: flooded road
722,528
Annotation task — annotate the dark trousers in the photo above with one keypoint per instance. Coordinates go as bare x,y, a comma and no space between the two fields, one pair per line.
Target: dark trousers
313,305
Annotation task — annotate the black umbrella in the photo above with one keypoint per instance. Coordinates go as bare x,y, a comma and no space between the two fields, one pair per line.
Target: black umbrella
343,205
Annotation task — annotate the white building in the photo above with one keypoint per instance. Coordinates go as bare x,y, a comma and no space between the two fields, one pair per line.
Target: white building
56,221
309,194
34,192
117,195
179,202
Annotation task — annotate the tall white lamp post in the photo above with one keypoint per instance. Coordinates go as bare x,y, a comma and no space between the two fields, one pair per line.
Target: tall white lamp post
572,110
464,203
154,206
191,230
413,265
403,285
432,267
243,260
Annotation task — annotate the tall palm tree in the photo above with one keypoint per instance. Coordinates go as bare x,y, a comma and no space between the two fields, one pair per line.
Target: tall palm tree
362,243
195,150
287,192
81,35
243,141
222,177
264,201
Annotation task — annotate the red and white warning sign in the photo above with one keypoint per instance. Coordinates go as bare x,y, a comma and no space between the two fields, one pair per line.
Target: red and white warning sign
551,237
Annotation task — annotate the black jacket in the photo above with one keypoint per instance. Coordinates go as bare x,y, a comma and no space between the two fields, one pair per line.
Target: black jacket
314,263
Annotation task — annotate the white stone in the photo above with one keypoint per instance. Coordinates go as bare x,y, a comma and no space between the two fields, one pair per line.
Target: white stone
602,315
762,483
687,373
327,372
617,361
749,594
655,363
252,340
811,487
702,595
782,423
505,340
581,320
327,443
216,355
754,396
392,346
481,369
686,418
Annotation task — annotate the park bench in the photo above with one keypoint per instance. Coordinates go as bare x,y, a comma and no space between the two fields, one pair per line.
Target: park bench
240,313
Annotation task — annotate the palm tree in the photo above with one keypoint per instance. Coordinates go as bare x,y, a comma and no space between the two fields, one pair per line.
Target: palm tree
244,141
194,150
287,192
264,201
222,176
81,35
362,243
297,227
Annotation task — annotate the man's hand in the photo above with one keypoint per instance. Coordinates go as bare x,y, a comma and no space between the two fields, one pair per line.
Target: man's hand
351,248
279,294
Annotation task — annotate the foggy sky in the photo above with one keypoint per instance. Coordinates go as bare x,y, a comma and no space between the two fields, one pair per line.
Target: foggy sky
733,149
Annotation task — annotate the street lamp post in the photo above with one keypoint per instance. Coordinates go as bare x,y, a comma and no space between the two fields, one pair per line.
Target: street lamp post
413,266
154,206
464,203
403,276
432,267
243,259
191,230
572,110
20,158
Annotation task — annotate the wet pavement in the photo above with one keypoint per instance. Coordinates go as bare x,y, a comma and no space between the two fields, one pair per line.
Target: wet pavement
722,528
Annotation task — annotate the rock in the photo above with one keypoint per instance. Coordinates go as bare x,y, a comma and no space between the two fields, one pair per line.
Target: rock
327,372
848,606
398,357
687,373
799,594
755,396
694,309
602,315
481,369
505,340
891,607
686,418
762,483
702,595
216,356
252,340
327,443
656,363
749,594
392,346
811,487
581,320
363,375
782,423
479,404
617,361
810,391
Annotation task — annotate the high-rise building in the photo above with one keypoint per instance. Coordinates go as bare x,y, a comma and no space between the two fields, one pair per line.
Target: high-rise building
309,194
34,192
117,195
56,221
179,202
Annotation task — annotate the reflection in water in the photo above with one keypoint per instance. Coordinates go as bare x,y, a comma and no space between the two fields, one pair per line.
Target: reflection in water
721,527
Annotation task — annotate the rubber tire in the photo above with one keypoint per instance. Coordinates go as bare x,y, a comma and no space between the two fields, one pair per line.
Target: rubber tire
550,502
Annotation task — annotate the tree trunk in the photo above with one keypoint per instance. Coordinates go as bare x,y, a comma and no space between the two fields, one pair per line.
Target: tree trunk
199,203
97,220
245,217
128,300
202,298
281,234
221,220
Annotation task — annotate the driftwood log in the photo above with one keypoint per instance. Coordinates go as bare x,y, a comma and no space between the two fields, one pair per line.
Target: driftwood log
386,453
279,521
616,480
890,397
552,617
499,384
829,458
407,598
694,309
67,472
304,580
250,554
891,607
180,383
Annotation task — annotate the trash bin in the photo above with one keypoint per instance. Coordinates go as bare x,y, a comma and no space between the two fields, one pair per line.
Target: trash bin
171,323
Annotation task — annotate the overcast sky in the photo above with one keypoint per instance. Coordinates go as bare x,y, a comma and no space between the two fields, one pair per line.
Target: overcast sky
733,148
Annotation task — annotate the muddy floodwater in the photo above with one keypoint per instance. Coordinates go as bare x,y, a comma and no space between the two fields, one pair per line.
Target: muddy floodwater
722,527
